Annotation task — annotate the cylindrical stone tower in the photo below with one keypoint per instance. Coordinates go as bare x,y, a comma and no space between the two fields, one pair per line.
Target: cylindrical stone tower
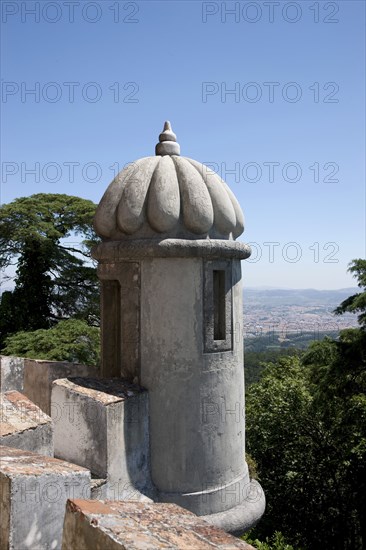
172,321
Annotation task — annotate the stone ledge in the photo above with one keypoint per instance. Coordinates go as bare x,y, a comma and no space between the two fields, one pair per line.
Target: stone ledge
130,526
24,425
104,390
17,461
244,516
114,251
103,425
18,413
34,490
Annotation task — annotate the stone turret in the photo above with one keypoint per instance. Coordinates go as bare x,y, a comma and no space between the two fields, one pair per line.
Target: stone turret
172,320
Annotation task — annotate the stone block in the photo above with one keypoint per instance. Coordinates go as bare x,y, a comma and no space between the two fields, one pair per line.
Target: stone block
135,525
103,425
34,491
24,425
11,373
39,375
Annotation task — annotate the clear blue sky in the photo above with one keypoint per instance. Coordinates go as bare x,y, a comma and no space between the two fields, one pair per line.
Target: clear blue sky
160,56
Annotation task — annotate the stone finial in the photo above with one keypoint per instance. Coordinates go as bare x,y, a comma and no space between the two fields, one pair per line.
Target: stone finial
167,142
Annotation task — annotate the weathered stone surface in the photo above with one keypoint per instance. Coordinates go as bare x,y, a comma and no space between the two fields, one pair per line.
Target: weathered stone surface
195,379
197,420
34,491
178,320
102,424
115,251
135,526
168,196
227,210
24,425
130,210
98,488
120,310
244,516
164,205
11,373
167,142
197,210
39,375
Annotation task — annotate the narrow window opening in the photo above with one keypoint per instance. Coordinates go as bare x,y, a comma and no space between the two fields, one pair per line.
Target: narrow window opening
219,304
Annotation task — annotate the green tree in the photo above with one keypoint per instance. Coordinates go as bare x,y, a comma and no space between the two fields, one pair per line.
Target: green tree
306,431
31,300
54,279
280,433
255,361
72,340
276,542
357,302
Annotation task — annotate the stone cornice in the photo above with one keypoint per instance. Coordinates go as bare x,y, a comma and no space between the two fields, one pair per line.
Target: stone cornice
114,251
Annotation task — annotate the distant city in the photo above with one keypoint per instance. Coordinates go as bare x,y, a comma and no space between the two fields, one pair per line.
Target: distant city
295,312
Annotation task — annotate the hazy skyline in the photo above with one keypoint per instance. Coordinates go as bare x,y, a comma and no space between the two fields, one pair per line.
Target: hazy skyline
269,94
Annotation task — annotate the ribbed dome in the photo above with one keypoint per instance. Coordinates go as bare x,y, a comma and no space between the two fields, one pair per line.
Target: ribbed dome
168,196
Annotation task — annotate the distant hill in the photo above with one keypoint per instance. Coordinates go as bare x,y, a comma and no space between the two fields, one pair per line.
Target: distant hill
296,297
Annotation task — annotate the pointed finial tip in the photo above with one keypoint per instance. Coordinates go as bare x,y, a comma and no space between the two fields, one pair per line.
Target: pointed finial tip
167,142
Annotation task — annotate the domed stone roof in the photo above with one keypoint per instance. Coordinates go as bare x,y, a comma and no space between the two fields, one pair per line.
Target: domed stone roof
168,196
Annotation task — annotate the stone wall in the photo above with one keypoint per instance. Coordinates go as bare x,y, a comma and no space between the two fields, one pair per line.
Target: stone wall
11,373
101,431
135,525
24,425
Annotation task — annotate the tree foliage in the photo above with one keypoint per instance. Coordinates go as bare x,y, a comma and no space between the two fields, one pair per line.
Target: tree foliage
42,217
55,280
357,302
72,340
255,361
276,542
306,430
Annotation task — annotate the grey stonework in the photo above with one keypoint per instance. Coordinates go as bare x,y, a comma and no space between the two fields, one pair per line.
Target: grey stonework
218,306
11,373
164,420
168,196
24,425
195,383
130,525
115,251
120,308
39,375
172,322
103,425
34,490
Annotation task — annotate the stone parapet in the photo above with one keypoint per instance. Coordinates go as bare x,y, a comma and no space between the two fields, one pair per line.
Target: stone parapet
24,425
34,491
11,373
103,425
39,375
132,526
